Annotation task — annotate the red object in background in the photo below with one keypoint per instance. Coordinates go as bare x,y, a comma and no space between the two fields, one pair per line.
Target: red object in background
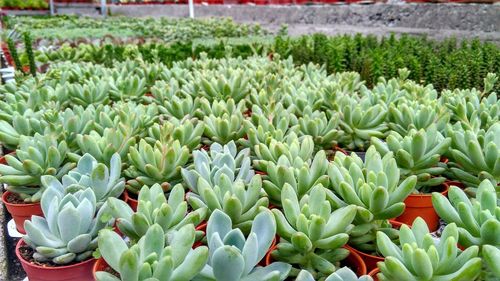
21,212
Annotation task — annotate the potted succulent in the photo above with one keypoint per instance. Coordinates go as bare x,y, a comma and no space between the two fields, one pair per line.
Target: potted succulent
419,154
151,258
35,157
154,208
342,274
150,164
62,243
225,128
232,256
374,187
187,131
323,127
319,247
418,257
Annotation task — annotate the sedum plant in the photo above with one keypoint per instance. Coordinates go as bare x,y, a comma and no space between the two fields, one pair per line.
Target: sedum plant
342,274
291,149
300,175
103,146
323,127
36,156
478,220
26,124
178,107
312,233
475,156
93,92
219,107
152,259
225,128
68,231
406,116
419,257
242,202
158,163
374,187
491,256
104,181
218,161
233,257
187,132
418,153
154,208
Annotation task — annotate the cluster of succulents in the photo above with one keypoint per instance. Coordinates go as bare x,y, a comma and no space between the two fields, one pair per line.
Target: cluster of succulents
205,149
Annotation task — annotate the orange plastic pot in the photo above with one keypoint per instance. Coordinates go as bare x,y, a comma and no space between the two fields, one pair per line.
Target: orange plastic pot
76,272
99,265
370,260
21,212
420,205
373,274
130,201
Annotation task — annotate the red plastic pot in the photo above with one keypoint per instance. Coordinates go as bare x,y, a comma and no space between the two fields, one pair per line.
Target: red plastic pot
130,201
100,265
77,272
201,227
21,212
370,260
420,205
374,273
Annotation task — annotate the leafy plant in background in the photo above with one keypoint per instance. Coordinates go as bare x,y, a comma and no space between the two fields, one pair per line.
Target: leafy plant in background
15,55
172,261
418,257
312,233
28,45
232,256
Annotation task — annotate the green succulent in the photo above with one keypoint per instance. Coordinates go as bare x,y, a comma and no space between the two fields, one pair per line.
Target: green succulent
234,84
418,153
187,132
419,257
242,202
93,92
342,274
127,88
323,127
233,257
151,258
300,175
491,256
220,160
290,149
179,107
21,125
403,117
312,233
154,208
160,163
68,231
374,187
36,156
225,128
475,156
218,108
103,146
478,220
105,181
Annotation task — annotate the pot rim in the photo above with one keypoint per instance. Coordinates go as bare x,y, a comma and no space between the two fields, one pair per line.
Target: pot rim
420,195
7,203
29,264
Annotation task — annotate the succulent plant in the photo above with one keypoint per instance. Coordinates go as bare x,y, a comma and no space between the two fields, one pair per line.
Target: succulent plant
312,233
68,232
160,163
290,149
218,108
323,127
242,202
406,116
342,274
151,258
103,147
478,220
220,160
94,92
104,181
374,187
491,256
225,128
475,156
36,156
301,175
127,88
179,107
360,120
418,153
233,257
154,208
418,257
21,125
232,83
187,132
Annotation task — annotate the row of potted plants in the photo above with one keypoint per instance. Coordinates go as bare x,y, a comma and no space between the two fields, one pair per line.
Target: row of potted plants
82,128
